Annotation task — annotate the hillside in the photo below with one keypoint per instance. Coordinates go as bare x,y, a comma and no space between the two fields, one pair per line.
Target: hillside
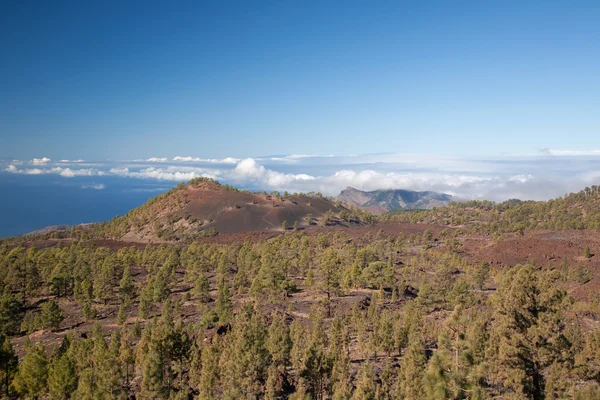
321,311
579,210
206,208
381,201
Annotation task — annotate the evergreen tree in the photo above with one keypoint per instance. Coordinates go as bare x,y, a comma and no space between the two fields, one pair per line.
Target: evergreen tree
52,315
412,368
126,285
223,307
365,387
202,288
31,378
244,357
274,385
8,364
10,313
126,357
341,377
329,271
161,283
279,342
103,283
529,329
153,379
107,367
481,275
122,315
61,377
209,374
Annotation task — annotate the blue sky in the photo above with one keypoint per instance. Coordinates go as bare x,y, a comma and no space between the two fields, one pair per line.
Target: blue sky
116,81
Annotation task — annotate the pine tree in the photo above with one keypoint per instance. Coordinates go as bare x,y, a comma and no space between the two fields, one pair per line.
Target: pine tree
412,368
529,328
52,315
161,283
301,392
153,379
209,374
386,332
61,377
365,387
436,381
103,283
81,354
481,275
8,364
329,271
16,278
274,384
126,356
202,288
122,315
388,379
32,375
107,368
126,285
10,313
341,377
279,342
245,355
315,363
223,307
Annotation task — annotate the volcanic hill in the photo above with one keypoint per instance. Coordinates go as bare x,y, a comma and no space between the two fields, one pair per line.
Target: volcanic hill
206,208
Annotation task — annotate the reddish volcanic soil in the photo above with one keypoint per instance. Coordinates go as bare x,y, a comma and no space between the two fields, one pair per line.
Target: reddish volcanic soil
547,249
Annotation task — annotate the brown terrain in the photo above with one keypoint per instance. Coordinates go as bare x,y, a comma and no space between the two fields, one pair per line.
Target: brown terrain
239,216
202,208
546,249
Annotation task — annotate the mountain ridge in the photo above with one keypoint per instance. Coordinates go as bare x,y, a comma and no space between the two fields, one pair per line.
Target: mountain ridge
384,200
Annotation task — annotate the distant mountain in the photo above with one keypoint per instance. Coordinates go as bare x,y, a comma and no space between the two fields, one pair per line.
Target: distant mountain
381,201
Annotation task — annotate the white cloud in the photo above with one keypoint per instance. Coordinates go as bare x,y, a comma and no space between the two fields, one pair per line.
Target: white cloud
40,161
171,173
295,157
94,186
494,178
72,161
560,153
249,169
180,158
226,160
70,173
64,172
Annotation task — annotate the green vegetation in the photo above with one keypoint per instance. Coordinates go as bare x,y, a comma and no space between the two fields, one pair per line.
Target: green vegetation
574,211
452,339
326,314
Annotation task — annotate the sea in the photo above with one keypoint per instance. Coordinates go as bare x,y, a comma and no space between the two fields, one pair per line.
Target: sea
32,202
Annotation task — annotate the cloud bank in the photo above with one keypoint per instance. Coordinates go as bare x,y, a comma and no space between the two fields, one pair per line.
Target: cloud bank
539,176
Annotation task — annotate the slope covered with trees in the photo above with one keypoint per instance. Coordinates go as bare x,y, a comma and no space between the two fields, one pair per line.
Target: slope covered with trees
574,211
350,311
299,316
